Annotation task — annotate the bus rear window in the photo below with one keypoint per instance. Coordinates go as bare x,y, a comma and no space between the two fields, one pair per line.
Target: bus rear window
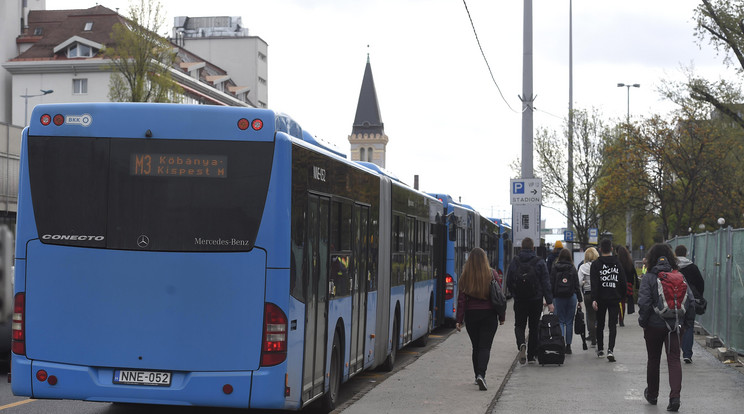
139,194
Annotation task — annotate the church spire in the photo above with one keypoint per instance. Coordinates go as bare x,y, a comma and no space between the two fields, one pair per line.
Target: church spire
368,139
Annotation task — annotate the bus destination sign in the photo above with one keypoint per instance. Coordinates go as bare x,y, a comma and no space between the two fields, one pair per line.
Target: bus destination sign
178,165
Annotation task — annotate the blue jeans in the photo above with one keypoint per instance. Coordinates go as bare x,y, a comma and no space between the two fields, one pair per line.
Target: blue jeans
565,308
687,339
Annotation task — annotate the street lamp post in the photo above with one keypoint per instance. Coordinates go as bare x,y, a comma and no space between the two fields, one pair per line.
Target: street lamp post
26,96
629,212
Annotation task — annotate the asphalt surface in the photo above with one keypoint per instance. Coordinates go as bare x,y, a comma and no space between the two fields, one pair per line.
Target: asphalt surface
441,380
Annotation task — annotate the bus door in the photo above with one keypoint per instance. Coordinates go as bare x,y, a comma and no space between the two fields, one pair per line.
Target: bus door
409,274
359,287
439,231
315,273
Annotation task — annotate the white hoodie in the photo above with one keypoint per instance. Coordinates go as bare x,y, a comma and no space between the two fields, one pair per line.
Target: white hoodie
584,281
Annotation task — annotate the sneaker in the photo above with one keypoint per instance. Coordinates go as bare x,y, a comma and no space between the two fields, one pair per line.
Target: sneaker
583,346
688,360
568,349
650,400
673,404
481,383
610,356
600,354
531,361
522,354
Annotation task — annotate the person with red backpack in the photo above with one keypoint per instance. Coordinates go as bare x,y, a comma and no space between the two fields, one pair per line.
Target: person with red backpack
666,311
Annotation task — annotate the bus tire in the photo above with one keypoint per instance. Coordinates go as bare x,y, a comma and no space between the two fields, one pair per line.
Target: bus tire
390,360
422,341
330,398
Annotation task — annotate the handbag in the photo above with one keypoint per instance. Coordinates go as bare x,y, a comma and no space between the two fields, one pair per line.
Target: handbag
579,325
498,300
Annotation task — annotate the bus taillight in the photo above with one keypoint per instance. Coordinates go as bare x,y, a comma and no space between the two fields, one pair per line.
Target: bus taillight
274,346
449,287
19,325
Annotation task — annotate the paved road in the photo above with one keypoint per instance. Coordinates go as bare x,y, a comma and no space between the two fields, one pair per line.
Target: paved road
441,381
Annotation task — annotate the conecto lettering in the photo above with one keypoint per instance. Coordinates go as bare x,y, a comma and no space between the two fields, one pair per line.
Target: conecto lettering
74,237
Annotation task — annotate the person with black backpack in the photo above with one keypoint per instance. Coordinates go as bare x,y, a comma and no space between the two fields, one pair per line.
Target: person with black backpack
529,282
566,293
665,312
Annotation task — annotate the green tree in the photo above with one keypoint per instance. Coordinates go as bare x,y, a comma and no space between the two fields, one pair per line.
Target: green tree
589,135
140,58
720,23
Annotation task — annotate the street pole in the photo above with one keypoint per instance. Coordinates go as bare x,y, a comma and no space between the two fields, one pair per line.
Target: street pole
570,195
527,98
628,212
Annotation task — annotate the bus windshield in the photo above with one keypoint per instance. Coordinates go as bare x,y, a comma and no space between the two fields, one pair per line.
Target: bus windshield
140,194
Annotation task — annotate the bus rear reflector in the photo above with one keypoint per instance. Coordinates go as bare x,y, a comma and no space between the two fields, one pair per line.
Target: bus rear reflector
449,287
274,344
19,326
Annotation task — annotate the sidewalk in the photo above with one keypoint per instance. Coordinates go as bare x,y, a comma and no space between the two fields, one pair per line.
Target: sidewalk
441,381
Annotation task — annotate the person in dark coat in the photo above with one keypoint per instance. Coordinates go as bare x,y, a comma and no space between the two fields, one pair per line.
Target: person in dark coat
656,330
529,309
608,289
566,299
697,284
550,260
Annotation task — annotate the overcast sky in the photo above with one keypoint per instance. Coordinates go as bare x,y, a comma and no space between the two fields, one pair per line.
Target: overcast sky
443,114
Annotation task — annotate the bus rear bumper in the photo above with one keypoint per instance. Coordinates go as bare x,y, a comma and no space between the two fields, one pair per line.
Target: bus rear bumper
76,382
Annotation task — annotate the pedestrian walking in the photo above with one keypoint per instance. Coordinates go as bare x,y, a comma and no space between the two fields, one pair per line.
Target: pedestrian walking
566,294
529,282
590,255
550,260
659,332
631,278
475,309
608,289
697,284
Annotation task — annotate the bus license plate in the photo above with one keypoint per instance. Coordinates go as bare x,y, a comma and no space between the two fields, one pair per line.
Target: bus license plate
131,377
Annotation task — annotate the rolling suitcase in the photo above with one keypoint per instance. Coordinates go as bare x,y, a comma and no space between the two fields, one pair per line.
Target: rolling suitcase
551,347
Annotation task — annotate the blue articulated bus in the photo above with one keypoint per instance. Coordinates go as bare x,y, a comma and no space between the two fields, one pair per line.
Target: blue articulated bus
211,256
462,228
506,251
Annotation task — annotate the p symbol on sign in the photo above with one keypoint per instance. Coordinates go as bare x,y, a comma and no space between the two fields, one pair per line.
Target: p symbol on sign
518,187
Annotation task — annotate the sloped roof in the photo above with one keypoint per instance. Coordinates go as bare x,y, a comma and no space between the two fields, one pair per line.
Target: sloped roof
57,26
368,119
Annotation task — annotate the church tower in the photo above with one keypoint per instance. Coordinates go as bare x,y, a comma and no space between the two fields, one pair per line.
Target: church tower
368,139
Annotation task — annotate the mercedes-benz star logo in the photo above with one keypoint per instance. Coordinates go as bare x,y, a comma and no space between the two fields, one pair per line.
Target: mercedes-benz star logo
143,241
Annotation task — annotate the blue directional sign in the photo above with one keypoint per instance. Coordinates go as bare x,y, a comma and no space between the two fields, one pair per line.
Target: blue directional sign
568,235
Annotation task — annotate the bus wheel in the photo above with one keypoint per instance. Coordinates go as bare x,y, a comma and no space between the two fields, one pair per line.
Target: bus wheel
330,398
425,338
390,360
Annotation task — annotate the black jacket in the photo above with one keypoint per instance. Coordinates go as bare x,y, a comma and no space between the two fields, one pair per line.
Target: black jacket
542,276
608,279
692,275
648,295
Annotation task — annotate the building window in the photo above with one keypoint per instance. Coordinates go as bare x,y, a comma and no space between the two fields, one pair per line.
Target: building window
261,80
361,154
262,57
88,26
38,31
369,154
79,86
80,50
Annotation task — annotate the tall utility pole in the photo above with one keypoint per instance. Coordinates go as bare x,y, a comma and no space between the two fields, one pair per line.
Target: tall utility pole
527,98
628,212
570,195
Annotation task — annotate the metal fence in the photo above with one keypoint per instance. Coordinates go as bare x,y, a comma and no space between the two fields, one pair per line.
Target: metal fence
720,257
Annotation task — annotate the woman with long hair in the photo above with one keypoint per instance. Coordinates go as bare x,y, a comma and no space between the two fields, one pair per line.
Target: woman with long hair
631,278
591,254
474,307
656,330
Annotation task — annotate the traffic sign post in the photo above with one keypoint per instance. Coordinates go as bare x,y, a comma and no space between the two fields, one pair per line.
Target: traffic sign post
526,198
